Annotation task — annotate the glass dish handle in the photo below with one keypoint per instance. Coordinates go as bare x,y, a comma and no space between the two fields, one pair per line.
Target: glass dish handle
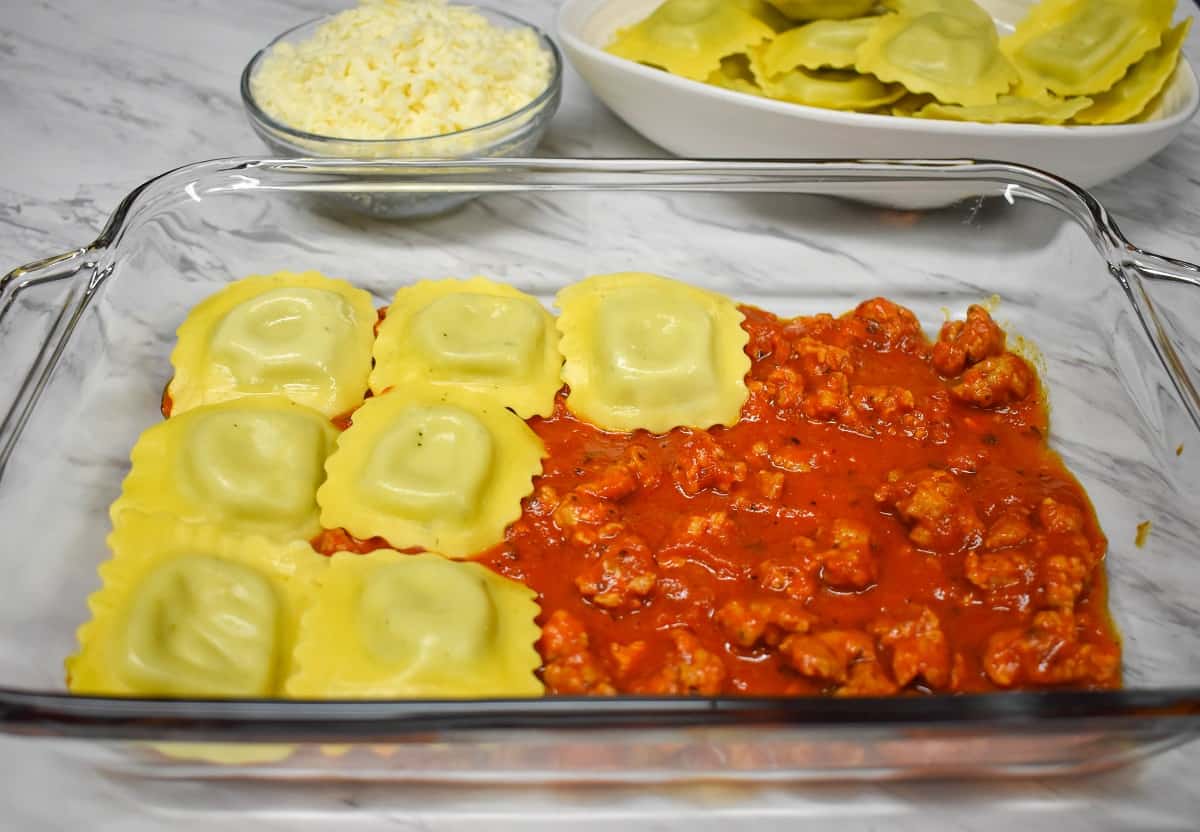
34,324
1166,293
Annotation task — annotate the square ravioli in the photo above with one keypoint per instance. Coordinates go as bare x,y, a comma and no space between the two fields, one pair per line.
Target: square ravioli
827,9
1131,96
301,335
647,352
429,467
1080,47
823,44
1067,62
1048,109
689,37
474,335
388,625
948,49
833,89
188,610
249,465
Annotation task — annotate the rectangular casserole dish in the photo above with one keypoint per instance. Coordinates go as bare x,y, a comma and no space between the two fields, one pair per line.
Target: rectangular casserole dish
85,339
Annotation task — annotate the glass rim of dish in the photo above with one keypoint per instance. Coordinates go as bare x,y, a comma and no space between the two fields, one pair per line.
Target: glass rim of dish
258,114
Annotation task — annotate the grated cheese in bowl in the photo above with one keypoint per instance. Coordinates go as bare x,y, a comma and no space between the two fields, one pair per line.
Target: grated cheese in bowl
403,80
401,69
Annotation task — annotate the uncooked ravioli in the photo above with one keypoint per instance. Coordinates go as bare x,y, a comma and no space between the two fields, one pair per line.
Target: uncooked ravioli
301,335
1080,47
1130,96
953,55
389,625
473,335
431,467
648,352
192,610
689,37
248,465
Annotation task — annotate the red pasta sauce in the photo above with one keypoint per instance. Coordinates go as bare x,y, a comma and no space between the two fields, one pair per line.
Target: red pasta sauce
886,517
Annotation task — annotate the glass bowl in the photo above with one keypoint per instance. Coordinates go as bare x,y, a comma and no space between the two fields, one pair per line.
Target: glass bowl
515,134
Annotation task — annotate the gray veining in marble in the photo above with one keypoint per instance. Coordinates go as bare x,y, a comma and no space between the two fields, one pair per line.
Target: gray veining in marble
97,96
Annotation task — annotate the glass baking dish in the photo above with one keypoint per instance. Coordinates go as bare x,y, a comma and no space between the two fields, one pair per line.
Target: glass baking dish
85,338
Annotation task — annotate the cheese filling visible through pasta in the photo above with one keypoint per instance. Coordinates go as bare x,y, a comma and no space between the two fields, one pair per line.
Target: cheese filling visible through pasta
301,335
431,468
251,465
647,352
954,56
191,610
470,334
391,625
1078,47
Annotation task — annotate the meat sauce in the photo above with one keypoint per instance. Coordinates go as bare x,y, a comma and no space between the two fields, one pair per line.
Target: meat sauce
885,518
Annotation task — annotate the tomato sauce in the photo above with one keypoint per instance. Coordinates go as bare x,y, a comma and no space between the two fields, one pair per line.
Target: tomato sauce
886,518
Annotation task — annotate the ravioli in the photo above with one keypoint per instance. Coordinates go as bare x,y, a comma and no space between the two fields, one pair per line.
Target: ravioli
735,74
823,9
833,89
386,625
471,334
1011,108
433,468
968,9
765,12
1145,79
1079,47
301,335
647,352
952,55
249,465
689,37
192,611
910,103
823,44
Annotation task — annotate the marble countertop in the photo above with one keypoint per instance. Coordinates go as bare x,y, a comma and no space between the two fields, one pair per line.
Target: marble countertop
98,96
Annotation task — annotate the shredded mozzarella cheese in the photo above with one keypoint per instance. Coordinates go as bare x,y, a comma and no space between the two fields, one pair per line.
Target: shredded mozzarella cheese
399,69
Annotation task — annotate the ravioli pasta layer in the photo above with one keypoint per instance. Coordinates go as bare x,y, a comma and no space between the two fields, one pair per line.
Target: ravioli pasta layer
823,44
1069,61
647,352
431,467
301,335
832,89
689,37
189,610
829,9
1079,47
386,625
249,465
735,74
1132,95
1047,110
911,103
967,9
474,335
765,12
952,56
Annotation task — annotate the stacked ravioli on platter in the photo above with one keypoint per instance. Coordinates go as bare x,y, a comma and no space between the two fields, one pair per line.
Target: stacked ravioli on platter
297,413
1067,62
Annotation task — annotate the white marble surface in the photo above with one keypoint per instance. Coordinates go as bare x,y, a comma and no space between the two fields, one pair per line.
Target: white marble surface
97,96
